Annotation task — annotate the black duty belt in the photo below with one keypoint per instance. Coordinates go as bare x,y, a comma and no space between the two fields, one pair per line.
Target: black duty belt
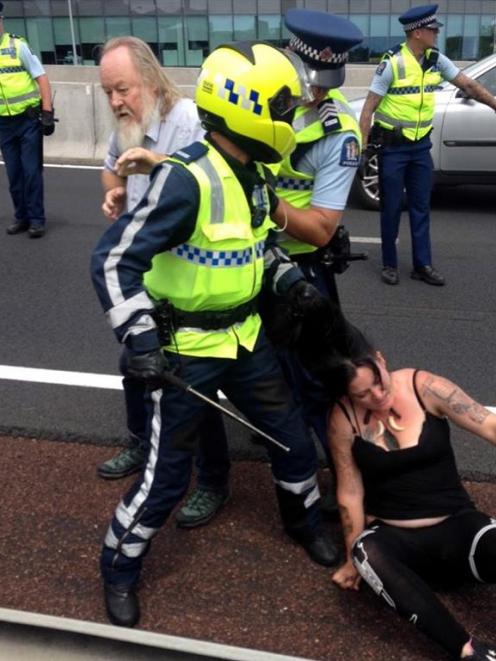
391,137
214,319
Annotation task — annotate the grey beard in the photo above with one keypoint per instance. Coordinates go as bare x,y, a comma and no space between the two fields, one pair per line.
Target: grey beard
132,134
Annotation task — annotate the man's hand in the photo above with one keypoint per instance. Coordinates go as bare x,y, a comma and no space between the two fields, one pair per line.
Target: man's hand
114,202
304,298
137,160
47,119
151,367
347,577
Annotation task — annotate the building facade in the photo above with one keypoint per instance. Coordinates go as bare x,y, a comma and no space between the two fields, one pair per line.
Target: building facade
183,32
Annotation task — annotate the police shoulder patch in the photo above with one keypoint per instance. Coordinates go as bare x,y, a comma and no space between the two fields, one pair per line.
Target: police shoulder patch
380,68
350,153
190,153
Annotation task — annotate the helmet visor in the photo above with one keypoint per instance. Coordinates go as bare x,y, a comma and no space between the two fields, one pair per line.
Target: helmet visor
306,94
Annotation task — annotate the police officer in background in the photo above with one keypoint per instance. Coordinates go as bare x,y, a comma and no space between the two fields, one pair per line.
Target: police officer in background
402,97
26,114
196,240
313,184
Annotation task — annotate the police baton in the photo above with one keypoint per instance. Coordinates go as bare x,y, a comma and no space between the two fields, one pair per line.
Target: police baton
182,385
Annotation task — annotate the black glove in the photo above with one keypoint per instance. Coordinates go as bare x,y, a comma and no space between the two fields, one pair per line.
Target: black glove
152,367
47,119
305,299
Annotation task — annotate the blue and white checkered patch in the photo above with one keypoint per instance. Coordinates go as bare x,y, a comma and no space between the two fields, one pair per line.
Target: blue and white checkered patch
218,258
290,183
413,89
239,95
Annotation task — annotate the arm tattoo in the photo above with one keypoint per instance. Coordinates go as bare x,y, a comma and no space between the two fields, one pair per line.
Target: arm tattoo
456,400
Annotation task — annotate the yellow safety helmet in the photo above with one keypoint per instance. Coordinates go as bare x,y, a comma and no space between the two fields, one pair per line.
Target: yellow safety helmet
248,91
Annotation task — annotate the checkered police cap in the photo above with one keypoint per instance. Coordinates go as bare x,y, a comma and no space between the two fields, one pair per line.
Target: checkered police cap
420,17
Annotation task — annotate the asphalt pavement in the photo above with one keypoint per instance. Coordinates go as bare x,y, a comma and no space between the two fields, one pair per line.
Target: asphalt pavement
52,319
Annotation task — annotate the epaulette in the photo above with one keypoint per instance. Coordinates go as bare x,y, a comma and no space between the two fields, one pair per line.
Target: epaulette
190,153
328,114
17,36
392,51
433,57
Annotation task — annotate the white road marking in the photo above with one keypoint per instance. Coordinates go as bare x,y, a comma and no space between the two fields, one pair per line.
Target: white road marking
80,379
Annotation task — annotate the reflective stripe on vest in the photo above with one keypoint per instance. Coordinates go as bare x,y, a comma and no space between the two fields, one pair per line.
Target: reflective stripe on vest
18,90
296,187
409,103
220,266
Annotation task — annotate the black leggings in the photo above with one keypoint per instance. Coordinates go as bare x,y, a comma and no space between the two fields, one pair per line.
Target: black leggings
399,564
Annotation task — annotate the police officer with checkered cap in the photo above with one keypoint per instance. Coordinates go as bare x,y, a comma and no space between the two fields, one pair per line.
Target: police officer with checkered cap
401,102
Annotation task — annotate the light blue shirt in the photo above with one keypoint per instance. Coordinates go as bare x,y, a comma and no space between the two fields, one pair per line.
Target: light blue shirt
30,61
329,162
179,129
383,77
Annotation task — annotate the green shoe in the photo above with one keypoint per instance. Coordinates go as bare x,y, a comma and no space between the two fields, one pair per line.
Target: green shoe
130,460
201,506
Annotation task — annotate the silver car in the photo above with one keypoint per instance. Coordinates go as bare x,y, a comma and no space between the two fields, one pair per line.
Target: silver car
463,140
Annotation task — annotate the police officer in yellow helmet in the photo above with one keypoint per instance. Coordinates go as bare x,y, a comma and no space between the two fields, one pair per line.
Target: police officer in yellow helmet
197,240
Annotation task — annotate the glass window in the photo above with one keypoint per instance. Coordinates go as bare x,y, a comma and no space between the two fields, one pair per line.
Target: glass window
396,32
245,28
64,51
196,40
487,38
220,6
143,7
117,7
269,7
454,31
170,41
40,38
12,9
470,50
92,35
361,52
381,7
117,26
338,6
456,5
359,7
488,79
60,8
245,7
379,40
36,8
221,30
488,7
400,6
269,28
169,6
195,6
316,5
146,28
17,26
88,7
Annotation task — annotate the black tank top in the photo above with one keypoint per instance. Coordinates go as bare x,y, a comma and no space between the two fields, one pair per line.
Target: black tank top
411,483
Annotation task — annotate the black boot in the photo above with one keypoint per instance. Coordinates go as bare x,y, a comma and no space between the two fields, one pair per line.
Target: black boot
319,547
122,604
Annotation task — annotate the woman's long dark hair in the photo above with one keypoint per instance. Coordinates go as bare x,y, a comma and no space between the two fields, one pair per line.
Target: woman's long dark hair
332,349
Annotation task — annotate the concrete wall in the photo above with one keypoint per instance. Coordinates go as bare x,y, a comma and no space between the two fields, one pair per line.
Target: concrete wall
85,121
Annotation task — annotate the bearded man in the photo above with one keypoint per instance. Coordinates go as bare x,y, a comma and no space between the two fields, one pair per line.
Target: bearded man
152,120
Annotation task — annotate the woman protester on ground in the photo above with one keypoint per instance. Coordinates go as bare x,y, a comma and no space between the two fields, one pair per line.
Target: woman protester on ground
408,522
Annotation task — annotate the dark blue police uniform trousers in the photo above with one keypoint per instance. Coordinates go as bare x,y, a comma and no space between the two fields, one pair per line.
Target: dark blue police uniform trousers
254,384
21,143
307,391
407,167
215,470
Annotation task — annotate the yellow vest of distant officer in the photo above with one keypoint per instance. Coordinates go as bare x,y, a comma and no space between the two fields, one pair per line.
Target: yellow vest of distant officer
409,104
18,90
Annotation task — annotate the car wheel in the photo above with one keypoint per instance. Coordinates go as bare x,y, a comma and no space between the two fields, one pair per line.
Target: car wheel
366,183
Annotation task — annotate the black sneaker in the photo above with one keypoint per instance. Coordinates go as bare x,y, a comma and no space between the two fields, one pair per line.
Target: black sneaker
128,461
36,231
17,227
201,506
389,275
428,274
